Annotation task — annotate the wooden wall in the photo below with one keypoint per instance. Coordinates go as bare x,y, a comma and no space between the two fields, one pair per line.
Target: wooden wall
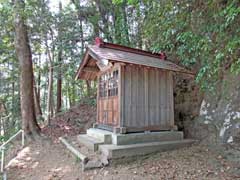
146,98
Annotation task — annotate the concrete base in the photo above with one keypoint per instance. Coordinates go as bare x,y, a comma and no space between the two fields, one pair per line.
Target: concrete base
135,138
115,151
89,142
102,135
114,145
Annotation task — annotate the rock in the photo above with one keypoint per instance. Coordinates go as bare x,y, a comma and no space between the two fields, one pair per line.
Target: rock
104,160
92,164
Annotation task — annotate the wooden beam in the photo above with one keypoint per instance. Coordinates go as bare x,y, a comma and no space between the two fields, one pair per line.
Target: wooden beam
90,69
104,67
84,62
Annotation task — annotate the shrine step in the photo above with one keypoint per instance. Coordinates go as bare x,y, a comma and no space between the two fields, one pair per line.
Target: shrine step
88,157
90,142
119,151
103,135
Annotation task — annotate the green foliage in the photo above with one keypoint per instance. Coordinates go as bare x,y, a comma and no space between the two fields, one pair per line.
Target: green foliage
202,35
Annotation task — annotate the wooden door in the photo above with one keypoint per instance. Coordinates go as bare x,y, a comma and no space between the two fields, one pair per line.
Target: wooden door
108,101
108,111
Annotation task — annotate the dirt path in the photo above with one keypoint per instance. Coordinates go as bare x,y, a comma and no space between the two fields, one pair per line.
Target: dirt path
50,161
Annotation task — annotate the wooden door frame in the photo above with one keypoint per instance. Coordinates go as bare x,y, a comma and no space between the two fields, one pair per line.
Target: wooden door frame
101,124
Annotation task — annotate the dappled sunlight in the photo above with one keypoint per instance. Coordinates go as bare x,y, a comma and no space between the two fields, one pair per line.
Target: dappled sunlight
67,127
43,161
35,164
20,161
24,159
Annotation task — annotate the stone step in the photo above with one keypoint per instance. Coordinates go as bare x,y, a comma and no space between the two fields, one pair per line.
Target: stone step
88,157
90,142
69,145
119,151
102,135
136,138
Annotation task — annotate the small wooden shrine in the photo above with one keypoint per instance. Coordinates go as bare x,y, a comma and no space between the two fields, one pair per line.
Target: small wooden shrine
135,87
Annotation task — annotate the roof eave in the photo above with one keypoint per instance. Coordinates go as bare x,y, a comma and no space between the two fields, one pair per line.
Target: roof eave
83,63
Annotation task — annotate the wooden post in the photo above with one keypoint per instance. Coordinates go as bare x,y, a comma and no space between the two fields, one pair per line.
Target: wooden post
121,95
98,89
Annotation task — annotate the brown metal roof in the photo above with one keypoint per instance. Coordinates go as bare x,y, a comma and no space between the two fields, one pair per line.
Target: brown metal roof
99,53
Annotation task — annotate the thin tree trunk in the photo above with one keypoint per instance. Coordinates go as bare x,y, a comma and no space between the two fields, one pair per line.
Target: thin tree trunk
88,88
13,96
59,80
104,16
39,80
37,102
49,96
59,83
45,94
73,94
50,79
24,56
125,23
69,96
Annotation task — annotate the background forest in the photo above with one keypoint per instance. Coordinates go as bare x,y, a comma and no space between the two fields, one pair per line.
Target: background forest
203,35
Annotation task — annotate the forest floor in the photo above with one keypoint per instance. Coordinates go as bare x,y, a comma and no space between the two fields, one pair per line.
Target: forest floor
48,159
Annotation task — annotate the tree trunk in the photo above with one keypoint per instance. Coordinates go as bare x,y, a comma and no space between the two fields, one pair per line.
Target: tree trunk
24,55
88,88
39,80
59,79
37,106
59,83
50,79
101,5
49,96
125,23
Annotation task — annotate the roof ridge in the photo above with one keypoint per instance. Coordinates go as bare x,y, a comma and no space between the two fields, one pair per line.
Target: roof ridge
101,44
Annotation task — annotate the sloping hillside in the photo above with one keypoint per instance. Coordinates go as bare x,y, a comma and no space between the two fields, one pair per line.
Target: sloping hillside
71,122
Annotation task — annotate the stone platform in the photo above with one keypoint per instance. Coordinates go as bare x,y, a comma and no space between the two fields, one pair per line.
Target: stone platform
97,146
121,145
118,151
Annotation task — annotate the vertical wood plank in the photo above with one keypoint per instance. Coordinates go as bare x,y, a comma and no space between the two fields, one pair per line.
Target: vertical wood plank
98,100
167,120
112,111
127,96
151,87
171,99
162,103
154,96
134,96
138,118
157,99
130,91
146,106
140,97
121,83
